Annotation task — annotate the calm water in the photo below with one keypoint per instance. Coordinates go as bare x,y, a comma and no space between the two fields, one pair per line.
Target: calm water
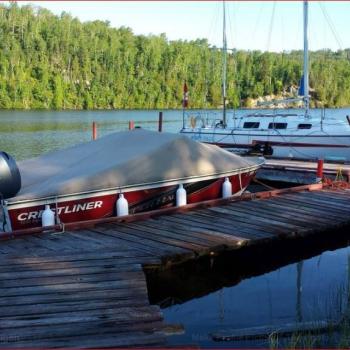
25,134
312,289
306,290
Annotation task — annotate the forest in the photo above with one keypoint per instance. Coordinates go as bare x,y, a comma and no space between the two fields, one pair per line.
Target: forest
58,62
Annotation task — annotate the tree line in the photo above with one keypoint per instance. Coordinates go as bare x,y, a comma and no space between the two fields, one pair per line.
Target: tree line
58,62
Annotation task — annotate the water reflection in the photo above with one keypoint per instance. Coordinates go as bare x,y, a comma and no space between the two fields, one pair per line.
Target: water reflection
249,288
26,134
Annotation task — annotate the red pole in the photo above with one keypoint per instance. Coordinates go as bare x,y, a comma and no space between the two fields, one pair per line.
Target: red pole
319,174
94,130
160,122
131,125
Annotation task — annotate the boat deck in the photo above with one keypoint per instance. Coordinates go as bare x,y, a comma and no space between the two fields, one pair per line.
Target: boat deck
87,288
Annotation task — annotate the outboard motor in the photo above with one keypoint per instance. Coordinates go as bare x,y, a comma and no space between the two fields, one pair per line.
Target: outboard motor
10,178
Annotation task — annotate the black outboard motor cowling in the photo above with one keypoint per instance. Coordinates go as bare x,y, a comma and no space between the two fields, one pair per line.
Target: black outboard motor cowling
10,178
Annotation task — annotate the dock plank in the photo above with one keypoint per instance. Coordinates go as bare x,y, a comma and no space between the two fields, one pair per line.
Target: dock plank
136,293
322,209
199,242
166,237
205,221
87,328
253,228
135,339
127,235
298,215
284,215
220,235
269,224
207,236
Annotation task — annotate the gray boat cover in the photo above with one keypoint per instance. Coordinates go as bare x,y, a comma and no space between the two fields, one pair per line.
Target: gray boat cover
122,159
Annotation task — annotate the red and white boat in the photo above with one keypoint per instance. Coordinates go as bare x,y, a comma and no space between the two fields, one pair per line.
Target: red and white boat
84,182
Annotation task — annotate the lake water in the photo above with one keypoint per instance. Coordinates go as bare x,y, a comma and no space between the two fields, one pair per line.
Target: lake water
305,290
25,134
254,291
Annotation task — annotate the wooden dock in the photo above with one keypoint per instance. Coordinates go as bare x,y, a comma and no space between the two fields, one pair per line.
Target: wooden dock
301,171
86,287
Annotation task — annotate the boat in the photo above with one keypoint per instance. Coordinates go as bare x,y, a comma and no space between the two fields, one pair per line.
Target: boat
301,134
84,182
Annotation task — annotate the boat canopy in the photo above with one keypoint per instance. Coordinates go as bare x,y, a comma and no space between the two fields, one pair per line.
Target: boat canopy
123,159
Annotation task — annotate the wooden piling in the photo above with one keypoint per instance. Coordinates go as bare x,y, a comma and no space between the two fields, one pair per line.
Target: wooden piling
319,173
94,130
160,122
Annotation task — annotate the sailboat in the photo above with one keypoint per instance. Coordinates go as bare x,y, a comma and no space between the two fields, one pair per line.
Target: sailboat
277,134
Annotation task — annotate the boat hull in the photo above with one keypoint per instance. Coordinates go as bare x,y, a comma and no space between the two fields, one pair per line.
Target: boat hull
322,146
95,206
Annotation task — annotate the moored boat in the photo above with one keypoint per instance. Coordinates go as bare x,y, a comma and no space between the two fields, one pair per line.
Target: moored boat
303,134
84,182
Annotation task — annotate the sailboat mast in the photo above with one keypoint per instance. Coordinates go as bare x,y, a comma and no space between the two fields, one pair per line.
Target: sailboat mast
306,60
224,64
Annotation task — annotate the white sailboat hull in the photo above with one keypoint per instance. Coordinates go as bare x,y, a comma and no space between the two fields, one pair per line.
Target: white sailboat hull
330,143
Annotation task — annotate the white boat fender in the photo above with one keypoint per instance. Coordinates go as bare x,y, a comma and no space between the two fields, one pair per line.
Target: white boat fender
122,206
181,196
226,188
48,217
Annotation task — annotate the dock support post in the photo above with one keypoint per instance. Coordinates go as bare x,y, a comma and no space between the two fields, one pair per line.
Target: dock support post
160,122
94,130
131,125
319,174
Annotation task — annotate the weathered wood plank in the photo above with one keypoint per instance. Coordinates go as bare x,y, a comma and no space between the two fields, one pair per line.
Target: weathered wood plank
207,236
320,210
87,328
77,256
125,235
100,241
199,219
76,287
223,237
47,242
274,226
120,314
176,233
134,339
298,215
136,292
103,276
334,204
323,202
82,241
168,238
28,267
64,306
282,215
18,276
23,247
233,219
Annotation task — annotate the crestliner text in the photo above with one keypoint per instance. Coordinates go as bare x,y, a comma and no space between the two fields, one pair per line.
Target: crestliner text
68,209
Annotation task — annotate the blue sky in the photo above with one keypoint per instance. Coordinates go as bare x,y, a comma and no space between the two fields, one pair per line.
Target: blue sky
249,23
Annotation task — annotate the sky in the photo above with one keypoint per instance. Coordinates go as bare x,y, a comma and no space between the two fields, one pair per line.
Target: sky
251,25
